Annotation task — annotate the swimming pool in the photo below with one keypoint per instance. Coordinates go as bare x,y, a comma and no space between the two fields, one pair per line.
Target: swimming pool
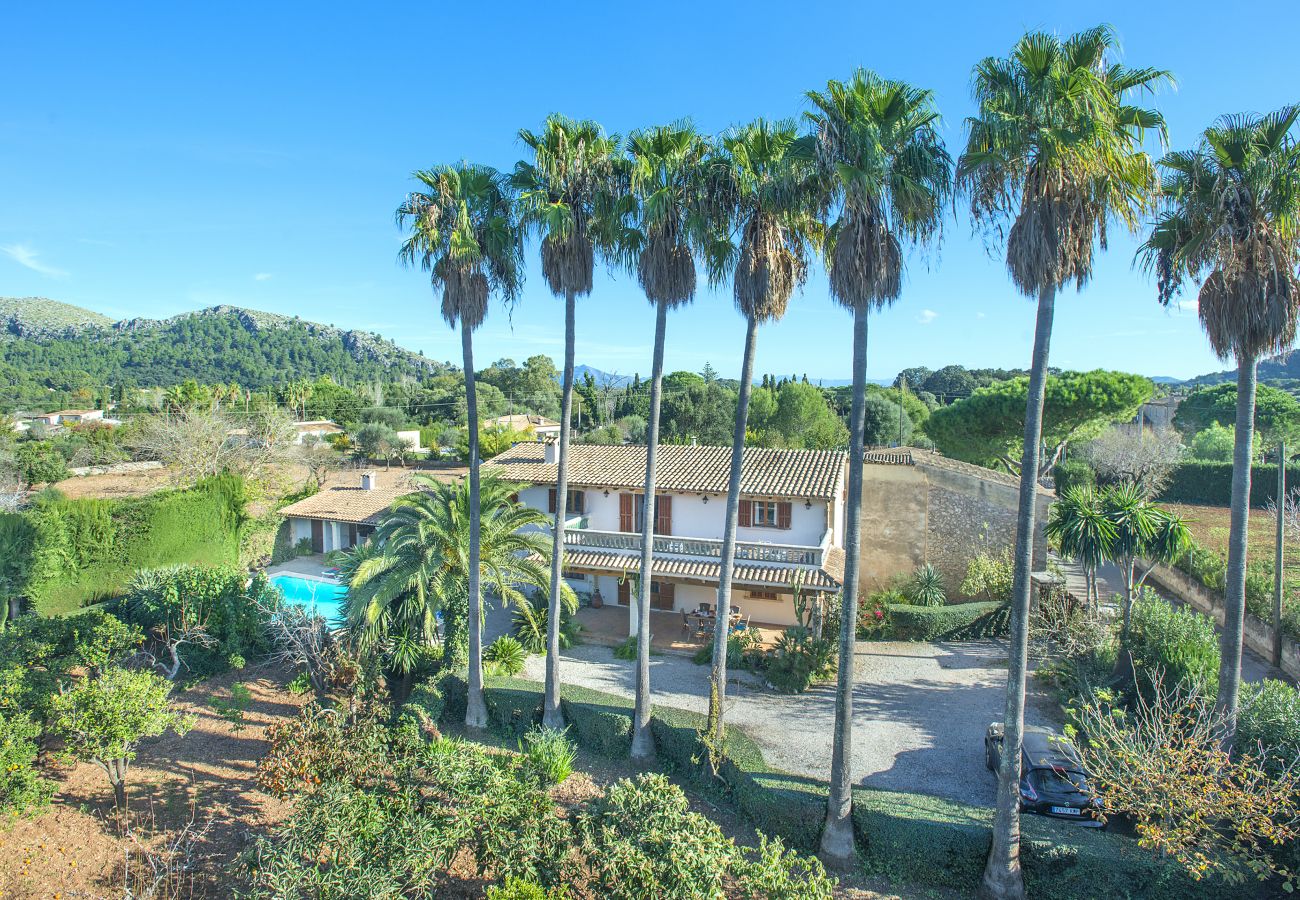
323,596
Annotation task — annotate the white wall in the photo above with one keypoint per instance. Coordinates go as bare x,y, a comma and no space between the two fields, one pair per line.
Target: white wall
692,517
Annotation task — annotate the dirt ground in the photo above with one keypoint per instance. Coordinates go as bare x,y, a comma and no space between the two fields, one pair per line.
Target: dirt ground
75,848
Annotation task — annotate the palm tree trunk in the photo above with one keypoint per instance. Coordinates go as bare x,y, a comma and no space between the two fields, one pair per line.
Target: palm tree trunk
643,741
475,709
1234,601
722,622
837,846
1002,875
552,715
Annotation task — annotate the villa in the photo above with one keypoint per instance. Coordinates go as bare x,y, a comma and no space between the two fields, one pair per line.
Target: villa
790,534
540,426
341,516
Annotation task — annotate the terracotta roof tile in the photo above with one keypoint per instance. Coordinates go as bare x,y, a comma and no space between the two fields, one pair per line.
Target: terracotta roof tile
813,474
744,573
346,504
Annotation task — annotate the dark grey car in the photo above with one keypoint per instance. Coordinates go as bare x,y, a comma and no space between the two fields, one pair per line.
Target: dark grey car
1052,779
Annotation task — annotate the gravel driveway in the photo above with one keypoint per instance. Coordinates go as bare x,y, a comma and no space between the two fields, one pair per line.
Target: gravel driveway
920,711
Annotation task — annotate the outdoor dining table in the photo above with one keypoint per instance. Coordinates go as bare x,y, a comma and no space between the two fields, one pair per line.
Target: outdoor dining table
703,620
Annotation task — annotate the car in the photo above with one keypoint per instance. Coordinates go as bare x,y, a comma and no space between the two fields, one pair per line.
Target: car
1052,778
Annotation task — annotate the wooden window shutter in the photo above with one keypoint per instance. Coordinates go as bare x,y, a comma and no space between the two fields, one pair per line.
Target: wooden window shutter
624,592
666,597
663,515
783,516
626,518
352,535
746,513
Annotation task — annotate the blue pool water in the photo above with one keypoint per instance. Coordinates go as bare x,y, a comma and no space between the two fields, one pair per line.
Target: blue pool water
323,596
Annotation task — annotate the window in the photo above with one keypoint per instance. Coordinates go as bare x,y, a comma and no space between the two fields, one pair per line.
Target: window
631,517
575,576
764,514
762,595
576,501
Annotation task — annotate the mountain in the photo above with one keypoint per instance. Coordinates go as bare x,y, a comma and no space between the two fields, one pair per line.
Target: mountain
47,346
600,377
1282,371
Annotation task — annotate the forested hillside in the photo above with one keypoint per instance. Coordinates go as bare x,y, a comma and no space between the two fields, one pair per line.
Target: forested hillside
49,349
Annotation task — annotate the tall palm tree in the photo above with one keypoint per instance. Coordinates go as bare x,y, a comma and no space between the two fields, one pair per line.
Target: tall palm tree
1055,150
1232,216
766,191
462,231
666,172
1080,527
890,177
565,195
417,565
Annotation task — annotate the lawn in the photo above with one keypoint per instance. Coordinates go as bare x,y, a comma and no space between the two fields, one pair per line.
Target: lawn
1209,526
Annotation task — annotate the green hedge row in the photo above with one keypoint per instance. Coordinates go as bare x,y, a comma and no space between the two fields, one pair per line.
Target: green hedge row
952,622
909,838
1210,483
63,554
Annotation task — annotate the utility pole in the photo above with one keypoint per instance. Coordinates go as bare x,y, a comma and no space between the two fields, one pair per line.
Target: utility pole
1277,555
902,386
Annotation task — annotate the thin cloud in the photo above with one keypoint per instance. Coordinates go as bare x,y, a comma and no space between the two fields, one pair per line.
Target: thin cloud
927,316
25,256
979,315
262,276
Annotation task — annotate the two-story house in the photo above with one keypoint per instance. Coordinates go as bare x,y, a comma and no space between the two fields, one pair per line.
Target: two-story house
791,524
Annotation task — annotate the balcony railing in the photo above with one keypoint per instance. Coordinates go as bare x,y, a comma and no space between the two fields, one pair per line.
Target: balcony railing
787,554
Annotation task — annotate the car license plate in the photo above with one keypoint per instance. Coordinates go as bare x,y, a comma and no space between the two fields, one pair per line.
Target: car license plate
1066,811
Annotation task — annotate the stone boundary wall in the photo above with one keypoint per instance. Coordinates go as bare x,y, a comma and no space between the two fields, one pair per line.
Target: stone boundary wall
1257,634
115,468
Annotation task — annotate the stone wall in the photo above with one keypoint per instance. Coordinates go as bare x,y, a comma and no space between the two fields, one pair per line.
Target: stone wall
939,511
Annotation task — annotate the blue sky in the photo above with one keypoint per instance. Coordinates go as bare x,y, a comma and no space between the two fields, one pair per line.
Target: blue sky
157,159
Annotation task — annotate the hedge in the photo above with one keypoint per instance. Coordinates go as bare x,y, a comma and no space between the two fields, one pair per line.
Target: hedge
952,622
1210,483
64,554
912,838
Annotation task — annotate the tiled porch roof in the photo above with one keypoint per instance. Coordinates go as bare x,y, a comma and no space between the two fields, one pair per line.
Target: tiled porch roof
744,573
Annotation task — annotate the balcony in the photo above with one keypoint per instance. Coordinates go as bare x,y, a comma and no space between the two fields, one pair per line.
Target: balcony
705,548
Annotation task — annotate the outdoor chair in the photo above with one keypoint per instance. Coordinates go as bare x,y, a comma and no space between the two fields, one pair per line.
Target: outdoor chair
686,624
706,608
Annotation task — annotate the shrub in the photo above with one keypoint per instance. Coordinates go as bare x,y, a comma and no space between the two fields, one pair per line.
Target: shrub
518,889
873,615
1270,720
989,577
233,709
549,754
627,649
954,622
22,789
925,587
1073,473
641,840
744,651
321,746
798,660
530,622
1176,641
780,874
1210,483
505,656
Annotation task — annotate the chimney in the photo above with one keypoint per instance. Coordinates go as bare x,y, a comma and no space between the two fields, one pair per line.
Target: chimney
551,451
367,481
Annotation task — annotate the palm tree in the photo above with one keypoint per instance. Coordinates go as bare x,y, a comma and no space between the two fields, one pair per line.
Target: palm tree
890,177
463,233
666,173
1232,216
1055,150
417,565
1084,533
765,190
565,194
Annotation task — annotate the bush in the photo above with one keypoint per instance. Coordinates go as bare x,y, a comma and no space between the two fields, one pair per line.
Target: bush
780,874
518,889
873,615
641,840
1073,473
549,754
989,577
627,649
1210,483
798,660
322,746
955,622
925,587
530,622
1176,641
1270,719
505,656
22,788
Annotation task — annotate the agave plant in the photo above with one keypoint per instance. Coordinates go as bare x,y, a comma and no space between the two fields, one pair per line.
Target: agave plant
926,587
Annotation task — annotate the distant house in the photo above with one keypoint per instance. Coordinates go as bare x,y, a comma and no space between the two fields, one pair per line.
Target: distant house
319,428
791,526
541,426
412,439
340,517
69,417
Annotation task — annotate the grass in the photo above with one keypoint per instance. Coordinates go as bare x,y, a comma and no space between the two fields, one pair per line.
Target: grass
1209,527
